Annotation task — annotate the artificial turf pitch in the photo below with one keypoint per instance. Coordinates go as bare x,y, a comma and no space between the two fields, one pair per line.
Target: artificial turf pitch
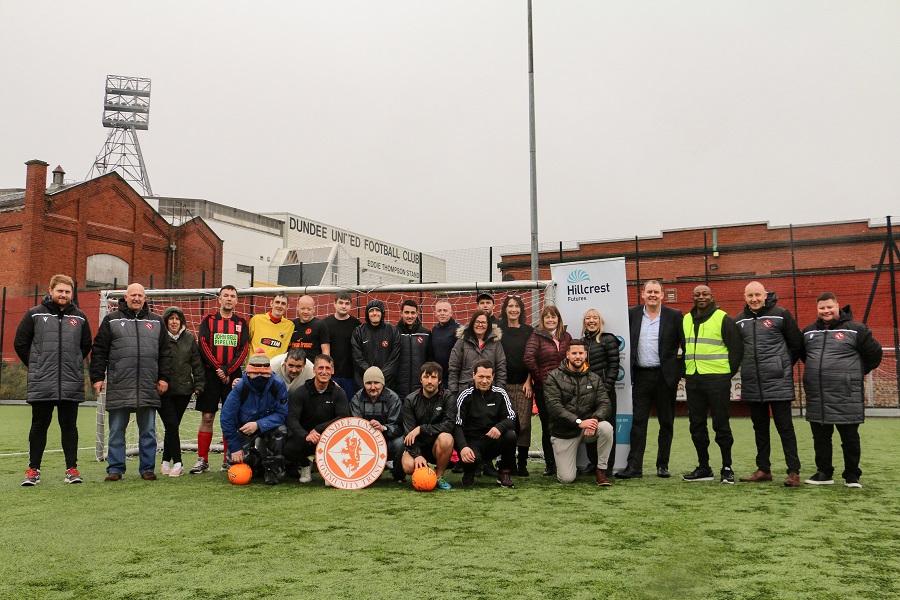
199,536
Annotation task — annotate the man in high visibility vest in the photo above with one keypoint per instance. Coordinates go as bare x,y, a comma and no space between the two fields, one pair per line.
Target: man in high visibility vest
713,351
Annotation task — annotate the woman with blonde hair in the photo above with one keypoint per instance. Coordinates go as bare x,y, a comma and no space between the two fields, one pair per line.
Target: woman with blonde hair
545,350
603,359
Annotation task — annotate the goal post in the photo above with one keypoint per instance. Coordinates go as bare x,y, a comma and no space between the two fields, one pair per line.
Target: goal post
195,303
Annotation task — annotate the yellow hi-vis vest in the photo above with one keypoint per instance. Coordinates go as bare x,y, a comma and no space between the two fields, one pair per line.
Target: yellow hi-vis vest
706,353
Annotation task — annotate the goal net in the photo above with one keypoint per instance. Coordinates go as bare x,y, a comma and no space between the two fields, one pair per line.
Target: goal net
195,303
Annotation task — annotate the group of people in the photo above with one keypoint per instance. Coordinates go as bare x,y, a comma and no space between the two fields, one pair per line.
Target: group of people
707,348
456,396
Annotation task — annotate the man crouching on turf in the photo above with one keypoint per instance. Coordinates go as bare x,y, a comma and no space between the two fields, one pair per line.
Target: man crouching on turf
256,409
485,425
428,416
578,407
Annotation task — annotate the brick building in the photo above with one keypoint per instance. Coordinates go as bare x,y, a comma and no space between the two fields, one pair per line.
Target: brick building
99,232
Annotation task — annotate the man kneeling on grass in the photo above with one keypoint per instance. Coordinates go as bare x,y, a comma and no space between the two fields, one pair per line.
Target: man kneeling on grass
485,425
578,407
428,415
256,408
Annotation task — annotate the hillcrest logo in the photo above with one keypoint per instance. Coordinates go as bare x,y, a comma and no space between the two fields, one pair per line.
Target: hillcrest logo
579,290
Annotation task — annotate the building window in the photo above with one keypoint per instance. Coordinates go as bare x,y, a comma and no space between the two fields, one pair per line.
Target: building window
106,271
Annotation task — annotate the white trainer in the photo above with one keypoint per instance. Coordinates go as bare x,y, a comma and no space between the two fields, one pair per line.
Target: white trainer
165,467
176,470
305,476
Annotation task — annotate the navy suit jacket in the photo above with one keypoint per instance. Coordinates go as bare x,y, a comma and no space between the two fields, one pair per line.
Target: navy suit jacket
671,338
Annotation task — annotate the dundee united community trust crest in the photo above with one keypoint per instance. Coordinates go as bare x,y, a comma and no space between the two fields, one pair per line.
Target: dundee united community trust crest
351,454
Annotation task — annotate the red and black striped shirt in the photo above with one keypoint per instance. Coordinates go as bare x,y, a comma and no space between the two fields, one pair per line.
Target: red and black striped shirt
224,342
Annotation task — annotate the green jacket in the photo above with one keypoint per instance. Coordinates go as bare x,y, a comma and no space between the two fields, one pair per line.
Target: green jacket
574,395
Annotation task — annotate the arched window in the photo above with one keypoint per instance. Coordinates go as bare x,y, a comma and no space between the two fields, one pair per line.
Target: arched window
103,270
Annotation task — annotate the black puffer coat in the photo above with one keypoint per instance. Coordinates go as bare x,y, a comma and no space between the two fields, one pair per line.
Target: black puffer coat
187,368
772,344
603,358
376,346
574,395
837,355
53,345
415,351
131,351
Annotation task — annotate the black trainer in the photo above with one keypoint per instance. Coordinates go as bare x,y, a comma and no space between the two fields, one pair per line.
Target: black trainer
727,476
699,474
629,473
820,478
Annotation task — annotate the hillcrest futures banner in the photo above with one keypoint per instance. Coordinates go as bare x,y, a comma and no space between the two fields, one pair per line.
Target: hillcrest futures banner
601,285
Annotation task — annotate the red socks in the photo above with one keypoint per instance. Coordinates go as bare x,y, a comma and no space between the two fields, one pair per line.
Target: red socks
204,439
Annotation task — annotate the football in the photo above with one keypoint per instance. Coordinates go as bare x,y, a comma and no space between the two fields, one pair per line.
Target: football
240,474
424,479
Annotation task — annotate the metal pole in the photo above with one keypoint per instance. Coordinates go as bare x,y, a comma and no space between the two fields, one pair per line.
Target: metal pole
637,269
2,331
705,259
535,296
891,252
796,313
490,263
358,276
36,290
421,273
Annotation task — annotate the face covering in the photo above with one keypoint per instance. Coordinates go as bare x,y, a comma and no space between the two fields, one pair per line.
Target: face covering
258,384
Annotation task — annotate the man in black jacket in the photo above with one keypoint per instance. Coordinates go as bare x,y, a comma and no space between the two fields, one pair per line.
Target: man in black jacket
657,364
443,335
428,418
838,353
772,344
311,409
132,353
415,348
52,341
578,410
376,343
485,426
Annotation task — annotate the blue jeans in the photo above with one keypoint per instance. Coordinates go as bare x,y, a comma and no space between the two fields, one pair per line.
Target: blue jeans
115,453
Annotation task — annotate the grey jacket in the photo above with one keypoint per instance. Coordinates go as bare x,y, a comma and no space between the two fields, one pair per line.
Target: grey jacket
837,355
466,353
53,345
772,344
131,351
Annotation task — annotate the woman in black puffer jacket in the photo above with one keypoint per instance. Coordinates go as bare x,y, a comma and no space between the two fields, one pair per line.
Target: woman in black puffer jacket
603,359
187,378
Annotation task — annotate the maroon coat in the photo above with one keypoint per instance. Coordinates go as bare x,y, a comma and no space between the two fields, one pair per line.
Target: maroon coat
541,355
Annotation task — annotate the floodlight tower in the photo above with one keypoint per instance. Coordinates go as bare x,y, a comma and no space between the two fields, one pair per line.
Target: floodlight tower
126,108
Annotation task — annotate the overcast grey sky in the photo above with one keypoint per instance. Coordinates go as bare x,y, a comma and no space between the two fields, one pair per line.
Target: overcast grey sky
407,120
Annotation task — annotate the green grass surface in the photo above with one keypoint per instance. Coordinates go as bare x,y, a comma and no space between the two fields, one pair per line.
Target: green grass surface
199,536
